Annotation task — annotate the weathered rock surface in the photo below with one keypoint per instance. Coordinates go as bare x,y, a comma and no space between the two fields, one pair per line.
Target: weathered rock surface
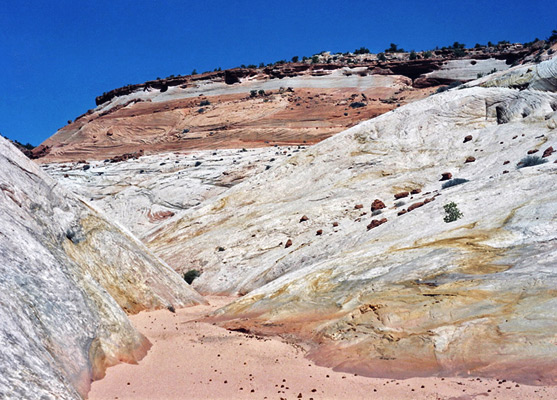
67,275
542,76
414,295
142,192
291,103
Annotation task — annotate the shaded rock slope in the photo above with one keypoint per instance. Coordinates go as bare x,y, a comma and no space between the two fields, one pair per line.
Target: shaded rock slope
68,277
345,243
284,104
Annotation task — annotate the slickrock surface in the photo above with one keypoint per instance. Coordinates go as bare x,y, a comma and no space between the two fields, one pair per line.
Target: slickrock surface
177,120
542,76
194,359
66,276
416,295
142,193
285,103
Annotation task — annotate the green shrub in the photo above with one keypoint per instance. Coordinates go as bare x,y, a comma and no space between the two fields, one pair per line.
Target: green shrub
315,59
452,213
394,49
362,50
381,57
204,103
191,275
295,59
453,182
413,55
451,86
530,161
459,52
357,104
428,54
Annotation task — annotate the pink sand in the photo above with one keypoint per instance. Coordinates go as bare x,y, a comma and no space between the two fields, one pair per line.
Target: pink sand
198,360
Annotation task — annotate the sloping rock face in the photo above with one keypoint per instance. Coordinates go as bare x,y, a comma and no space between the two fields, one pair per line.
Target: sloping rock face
542,76
228,116
142,193
67,275
415,295
284,104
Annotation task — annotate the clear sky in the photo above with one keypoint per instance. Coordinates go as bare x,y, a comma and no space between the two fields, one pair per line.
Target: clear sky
56,56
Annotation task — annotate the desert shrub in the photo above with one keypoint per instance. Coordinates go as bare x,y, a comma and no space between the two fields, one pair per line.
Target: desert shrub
357,104
381,57
394,49
295,59
454,182
204,103
428,54
201,110
376,212
315,59
530,161
261,92
362,50
399,204
459,52
451,86
452,213
190,276
252,93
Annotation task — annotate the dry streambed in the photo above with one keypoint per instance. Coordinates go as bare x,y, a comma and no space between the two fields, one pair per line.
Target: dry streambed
198,360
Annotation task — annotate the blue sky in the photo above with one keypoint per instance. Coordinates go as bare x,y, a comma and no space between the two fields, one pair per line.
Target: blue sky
56,56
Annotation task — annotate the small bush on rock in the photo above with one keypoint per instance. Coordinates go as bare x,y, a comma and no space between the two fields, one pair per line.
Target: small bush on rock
191,275
530,161
454,182
451,86
452,213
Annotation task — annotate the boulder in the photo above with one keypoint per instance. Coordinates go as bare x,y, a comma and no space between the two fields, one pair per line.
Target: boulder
547,152
375,223
445,176
377,205
401,195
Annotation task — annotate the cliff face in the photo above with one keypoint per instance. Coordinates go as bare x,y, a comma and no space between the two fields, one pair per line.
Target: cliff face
291,103
345,243
68,277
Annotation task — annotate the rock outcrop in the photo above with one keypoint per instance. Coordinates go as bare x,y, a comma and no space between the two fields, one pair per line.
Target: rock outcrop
139,191
284,104
68,277
414,295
